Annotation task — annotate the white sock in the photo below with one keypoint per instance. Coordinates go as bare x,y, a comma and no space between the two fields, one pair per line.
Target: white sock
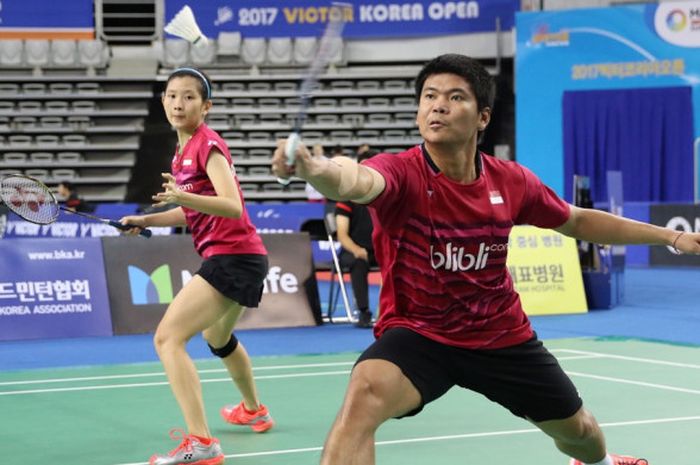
606,461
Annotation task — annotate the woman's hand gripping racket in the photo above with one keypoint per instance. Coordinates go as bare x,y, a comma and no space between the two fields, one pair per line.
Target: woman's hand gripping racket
334,29
33,201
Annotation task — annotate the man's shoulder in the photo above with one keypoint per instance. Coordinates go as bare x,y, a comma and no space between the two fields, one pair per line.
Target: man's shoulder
496,167
494,161
390,159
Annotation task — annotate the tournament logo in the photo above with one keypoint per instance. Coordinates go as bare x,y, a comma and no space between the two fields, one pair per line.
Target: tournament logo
676,20
156,288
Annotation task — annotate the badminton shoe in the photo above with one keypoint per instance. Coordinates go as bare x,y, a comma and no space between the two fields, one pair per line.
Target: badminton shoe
617,460
191,451
364,319
259,421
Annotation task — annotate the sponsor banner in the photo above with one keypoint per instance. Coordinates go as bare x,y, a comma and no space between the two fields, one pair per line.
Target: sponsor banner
51,288
144,276
546,272
363,19
270,218
45,19
321,251
681,217
267,218
66,226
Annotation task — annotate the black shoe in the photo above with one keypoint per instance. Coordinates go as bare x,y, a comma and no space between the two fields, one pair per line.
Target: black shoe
364,319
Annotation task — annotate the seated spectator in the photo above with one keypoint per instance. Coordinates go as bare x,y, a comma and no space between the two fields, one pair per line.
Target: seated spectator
364,152
354,230
67,191
337,151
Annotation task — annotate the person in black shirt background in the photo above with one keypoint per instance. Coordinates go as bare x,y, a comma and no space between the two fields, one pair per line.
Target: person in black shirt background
354,229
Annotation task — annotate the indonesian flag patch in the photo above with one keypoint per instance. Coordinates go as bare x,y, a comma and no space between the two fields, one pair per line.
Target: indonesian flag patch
495,198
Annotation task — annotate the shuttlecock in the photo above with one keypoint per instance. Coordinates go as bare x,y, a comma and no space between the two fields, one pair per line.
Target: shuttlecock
184,25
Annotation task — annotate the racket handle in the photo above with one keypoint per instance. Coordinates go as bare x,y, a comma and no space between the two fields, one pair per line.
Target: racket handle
145,232
290,148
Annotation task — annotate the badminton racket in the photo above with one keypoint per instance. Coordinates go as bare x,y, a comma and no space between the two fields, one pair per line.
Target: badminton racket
33,201
334,30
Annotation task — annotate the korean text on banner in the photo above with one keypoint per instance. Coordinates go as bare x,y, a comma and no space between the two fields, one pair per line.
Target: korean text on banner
546,272
53,288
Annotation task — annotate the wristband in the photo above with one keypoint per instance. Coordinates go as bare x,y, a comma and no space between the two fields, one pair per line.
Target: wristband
675,249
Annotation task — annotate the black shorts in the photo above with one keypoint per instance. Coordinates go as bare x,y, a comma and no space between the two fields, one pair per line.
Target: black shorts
239,277
526,379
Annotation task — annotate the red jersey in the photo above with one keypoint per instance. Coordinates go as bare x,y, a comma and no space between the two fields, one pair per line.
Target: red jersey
442,248
212,235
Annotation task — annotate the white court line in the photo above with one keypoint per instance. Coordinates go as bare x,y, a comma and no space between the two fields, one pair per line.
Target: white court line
630,359
452,437
581,355
153,374
160,373
165,383
636,383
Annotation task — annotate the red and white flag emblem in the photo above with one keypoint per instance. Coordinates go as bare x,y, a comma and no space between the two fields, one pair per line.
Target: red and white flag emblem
495,198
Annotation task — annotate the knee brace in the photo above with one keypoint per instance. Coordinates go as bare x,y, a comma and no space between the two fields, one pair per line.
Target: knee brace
226,350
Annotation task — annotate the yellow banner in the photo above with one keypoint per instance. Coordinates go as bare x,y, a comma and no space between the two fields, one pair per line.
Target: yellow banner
546,271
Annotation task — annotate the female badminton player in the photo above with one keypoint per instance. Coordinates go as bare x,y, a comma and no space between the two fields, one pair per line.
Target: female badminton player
209,201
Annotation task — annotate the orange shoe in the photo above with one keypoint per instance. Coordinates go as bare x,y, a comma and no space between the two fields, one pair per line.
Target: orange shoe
618,460
259,421
191,451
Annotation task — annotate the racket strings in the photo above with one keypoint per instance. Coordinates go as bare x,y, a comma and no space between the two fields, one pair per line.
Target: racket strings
311,84
29,199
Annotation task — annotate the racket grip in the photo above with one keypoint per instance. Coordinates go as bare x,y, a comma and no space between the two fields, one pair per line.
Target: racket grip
290,149
145,232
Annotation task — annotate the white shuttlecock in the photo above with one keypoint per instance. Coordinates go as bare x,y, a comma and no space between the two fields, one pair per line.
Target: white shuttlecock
184,25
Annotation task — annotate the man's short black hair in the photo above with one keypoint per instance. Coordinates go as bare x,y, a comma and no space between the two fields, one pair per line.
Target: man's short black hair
478,77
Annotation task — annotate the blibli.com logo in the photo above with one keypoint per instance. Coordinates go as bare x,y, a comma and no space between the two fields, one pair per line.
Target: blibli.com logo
456,259
156,288
676,20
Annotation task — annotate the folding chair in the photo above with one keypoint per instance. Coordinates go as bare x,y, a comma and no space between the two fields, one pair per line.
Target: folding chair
336,273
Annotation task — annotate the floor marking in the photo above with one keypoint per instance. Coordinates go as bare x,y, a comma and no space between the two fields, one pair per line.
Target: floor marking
161,373
632,359
165,383
453,436
636,383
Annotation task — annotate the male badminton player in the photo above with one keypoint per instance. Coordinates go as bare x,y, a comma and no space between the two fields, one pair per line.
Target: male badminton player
209,201
442,213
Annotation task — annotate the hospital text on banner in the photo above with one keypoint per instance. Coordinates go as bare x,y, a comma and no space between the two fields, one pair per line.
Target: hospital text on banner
546,272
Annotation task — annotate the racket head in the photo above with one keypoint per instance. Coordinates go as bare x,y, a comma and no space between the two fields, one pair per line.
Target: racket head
29,198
